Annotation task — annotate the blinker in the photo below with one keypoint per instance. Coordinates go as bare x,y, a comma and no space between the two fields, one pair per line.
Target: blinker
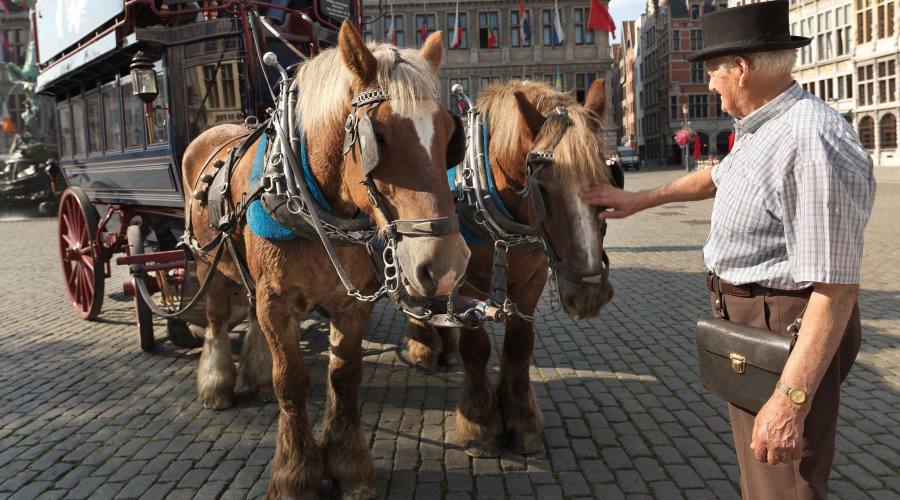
368,145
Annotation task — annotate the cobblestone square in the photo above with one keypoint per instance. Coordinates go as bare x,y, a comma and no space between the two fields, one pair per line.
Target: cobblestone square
86,414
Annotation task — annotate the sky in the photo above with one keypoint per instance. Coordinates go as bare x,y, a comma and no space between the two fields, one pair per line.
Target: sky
625,10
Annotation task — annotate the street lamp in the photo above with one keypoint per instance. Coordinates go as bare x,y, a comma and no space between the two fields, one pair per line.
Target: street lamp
684,126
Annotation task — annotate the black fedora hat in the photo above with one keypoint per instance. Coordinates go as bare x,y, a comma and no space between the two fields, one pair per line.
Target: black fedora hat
758,27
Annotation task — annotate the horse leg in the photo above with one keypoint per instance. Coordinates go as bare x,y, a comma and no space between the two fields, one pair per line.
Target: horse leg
256,361
216,374
424,346
298,465
347,455
449,341
523,420
478,422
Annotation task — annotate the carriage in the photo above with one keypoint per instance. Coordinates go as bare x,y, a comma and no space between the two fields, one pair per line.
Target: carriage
134,82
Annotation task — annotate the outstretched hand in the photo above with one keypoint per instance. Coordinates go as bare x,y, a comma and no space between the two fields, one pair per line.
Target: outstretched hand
618,203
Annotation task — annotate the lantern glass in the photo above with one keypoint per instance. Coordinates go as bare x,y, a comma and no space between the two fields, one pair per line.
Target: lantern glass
144,83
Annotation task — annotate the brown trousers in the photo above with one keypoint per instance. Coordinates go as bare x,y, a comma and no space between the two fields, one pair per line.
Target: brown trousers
806,478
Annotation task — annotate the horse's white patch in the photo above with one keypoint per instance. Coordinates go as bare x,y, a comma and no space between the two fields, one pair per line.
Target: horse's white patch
423,121
587,235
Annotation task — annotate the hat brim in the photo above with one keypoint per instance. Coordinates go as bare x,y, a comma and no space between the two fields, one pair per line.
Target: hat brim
726,49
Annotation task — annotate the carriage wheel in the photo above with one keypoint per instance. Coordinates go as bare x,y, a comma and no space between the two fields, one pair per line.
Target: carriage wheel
142,313
82,269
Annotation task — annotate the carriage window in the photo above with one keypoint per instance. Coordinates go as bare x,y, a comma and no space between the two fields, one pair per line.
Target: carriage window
214,95
112,116
78,127
65,131
160,117
93,120
134,117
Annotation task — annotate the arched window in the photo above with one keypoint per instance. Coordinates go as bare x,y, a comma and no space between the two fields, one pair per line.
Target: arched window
888,125
722,142
704,143
867,132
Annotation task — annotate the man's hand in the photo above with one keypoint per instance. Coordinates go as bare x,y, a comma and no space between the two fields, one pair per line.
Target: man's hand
778,430
619,203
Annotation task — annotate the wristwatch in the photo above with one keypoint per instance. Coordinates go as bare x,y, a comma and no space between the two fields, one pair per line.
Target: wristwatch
798,396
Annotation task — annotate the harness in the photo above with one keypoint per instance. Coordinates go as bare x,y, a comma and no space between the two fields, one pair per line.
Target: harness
483,212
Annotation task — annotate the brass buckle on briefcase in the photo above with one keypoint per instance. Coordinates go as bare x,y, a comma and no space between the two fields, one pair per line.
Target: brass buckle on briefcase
738,363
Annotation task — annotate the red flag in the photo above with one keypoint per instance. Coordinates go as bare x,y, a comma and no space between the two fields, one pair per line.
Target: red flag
457,34
696,147
730,141
422,31
599,19
492,40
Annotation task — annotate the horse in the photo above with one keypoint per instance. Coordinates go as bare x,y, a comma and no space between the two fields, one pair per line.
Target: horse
414,137
520,120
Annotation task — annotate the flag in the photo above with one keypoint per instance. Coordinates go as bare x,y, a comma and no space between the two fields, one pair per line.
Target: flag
524,28
4,6
558,36
392,33
4,47
696,147
457,33
730,141
558,80
599,19
423,31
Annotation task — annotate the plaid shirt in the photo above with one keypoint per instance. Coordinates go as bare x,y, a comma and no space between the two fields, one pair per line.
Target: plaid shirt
793,197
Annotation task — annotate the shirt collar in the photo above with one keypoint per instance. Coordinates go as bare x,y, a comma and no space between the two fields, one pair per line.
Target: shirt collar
772,109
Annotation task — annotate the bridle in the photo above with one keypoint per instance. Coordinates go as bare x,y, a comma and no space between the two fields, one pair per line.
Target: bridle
536,161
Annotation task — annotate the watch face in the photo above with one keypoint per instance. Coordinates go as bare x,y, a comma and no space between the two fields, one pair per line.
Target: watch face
798,396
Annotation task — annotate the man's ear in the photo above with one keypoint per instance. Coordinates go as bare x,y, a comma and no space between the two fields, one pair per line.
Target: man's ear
743,65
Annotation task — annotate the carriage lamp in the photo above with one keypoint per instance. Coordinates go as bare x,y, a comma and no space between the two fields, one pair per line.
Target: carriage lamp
143,77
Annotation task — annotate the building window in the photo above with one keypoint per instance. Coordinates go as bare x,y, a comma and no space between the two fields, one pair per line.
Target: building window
518,34
451,31
887,81
720,113
426,24
548,29
698,106
698,74
841,32
583,36
867,133
849,85
15,45
888,126
695,11
865,94
583,82
676,40
885,18
864,15
393,30
367,34
696,39
488,30
487,81
673,107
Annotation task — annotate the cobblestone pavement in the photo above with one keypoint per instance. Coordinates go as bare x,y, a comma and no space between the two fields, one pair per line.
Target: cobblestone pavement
86,414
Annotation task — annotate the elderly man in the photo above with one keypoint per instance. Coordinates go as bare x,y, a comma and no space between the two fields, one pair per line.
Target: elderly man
791,202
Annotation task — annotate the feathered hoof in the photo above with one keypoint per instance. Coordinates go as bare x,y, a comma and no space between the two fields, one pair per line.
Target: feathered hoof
477,449
527,443
425,365
217,402
362,492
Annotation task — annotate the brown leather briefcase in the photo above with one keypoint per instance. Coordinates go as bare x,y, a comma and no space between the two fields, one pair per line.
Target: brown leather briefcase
740,363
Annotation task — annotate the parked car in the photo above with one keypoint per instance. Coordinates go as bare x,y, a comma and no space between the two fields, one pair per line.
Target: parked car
628,158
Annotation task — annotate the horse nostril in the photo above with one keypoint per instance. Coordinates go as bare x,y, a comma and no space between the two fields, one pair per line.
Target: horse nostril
426,280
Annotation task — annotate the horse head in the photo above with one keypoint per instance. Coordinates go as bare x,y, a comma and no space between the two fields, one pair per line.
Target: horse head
402,140
562,141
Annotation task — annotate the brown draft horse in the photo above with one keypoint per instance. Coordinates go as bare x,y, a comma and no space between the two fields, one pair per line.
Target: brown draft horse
516,114
413,131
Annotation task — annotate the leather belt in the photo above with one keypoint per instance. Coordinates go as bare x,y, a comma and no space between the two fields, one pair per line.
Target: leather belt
751,289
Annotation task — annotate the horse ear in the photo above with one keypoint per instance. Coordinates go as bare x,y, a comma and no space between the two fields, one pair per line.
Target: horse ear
433,50
595,100
356,55
532,119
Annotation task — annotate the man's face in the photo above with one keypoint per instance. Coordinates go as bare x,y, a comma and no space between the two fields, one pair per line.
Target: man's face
723,80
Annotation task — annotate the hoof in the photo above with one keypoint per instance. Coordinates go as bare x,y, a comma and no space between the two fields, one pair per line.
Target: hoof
266,396
364,492
526,444
477,449
218,403
422,366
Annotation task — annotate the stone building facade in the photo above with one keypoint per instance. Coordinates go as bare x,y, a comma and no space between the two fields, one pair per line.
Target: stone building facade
582,57
15,27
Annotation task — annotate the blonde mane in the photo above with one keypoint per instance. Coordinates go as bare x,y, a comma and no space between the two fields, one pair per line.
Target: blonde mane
326,84
578,158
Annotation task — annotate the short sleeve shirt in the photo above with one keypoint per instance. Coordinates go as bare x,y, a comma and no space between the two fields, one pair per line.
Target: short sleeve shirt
793,197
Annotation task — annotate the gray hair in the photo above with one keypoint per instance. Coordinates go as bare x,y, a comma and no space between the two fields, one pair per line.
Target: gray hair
776,62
